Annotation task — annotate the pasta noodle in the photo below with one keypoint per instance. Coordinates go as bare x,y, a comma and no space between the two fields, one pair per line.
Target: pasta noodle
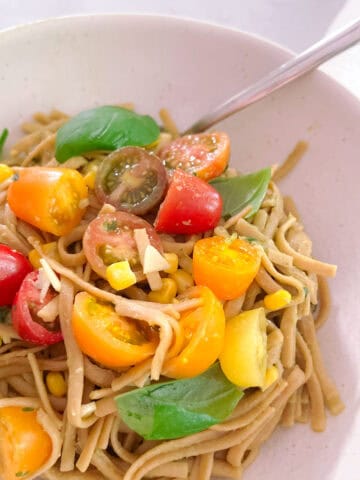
291,161
89,440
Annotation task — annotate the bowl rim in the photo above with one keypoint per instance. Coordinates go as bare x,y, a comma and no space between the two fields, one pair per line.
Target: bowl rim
240,38
24,28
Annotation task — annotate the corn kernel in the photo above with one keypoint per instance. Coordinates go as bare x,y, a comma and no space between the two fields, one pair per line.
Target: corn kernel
49,249
91,166
166,294
5,172
277,300
120,275
183,280
56,384
271,375
173,261
89,178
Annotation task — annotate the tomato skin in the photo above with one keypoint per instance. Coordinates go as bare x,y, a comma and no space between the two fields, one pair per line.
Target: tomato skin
26,304
205,155
49,198
14,267
244,356
106,337
204,330
115,230
24,445
131,179
190,206
227,268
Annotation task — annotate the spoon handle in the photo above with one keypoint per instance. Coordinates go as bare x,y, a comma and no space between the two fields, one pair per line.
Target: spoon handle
311,58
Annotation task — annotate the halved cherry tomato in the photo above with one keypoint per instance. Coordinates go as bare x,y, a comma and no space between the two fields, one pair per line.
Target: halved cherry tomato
205,155
132,180
49,198
26,306
190,206
226,266
109,238
204,329
108,338
14,267
244,356
24,445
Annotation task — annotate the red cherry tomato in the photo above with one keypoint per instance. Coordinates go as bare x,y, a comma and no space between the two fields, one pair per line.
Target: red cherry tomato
24,312
205,155
14,266
109,238
190,206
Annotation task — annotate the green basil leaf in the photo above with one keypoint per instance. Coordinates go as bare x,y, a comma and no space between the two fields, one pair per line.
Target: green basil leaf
3,137
5,314
239,192
180,407
104,128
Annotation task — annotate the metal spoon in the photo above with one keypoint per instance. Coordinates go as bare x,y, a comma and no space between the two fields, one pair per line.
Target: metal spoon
303,63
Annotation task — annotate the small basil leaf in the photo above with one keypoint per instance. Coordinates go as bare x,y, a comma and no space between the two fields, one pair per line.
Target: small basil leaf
3,137
180,407
104,128
239,192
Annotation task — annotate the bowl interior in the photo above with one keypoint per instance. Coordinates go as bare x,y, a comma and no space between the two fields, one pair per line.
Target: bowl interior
189,67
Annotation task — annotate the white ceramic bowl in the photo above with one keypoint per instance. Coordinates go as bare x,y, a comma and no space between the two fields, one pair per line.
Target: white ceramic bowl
189,67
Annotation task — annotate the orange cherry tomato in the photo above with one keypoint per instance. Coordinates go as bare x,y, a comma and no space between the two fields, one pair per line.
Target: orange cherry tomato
226,266
204,330
206,154
108,338
49,198
24,445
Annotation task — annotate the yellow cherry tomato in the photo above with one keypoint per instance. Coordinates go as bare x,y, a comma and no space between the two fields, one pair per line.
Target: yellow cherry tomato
108,338
204,328
244,356
52,199
24,445
226,266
